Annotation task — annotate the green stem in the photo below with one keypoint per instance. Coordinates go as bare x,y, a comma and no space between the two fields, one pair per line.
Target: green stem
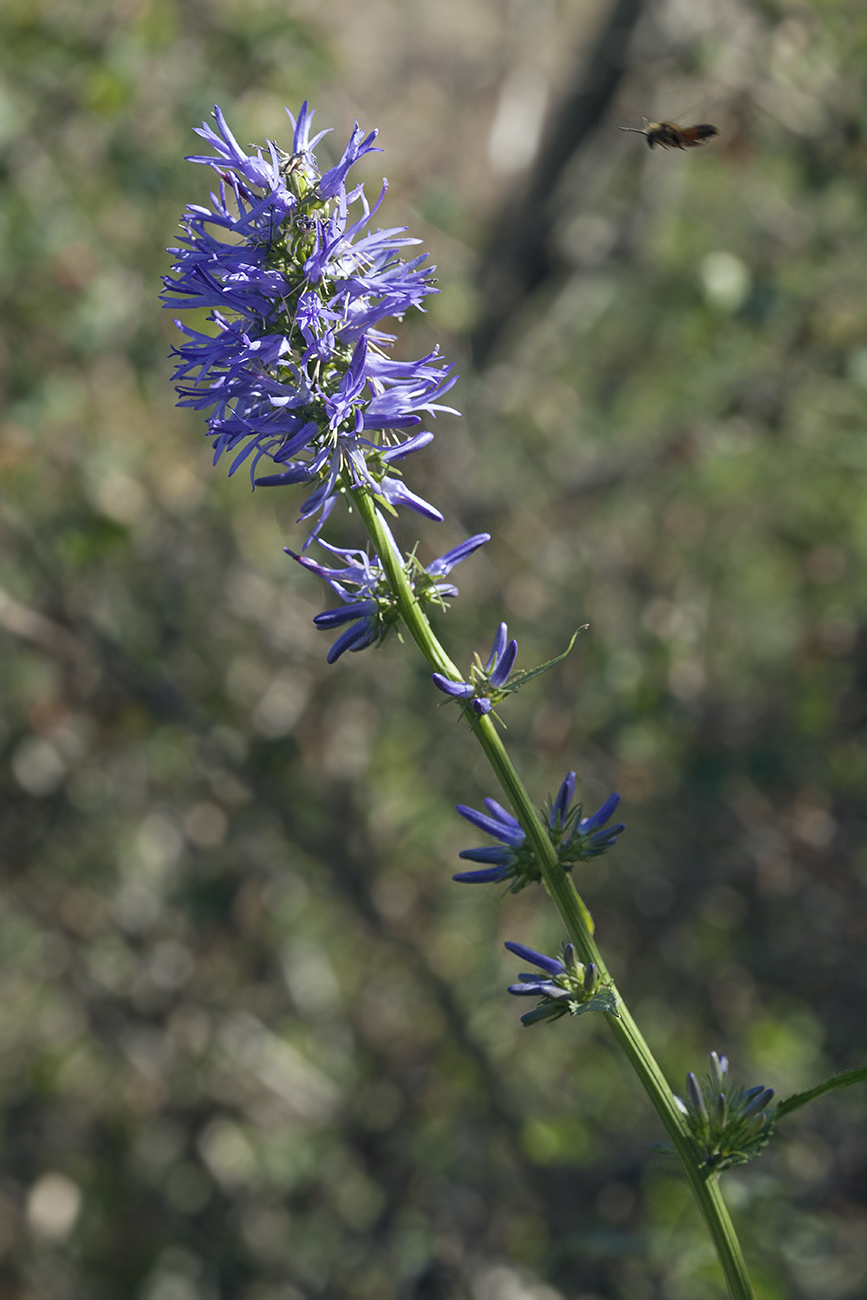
411,612
574,913
576,918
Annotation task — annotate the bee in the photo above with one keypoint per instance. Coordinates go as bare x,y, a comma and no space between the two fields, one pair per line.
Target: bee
670,135
289,162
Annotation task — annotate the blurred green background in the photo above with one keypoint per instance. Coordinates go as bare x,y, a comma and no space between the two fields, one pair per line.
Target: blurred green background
254,1043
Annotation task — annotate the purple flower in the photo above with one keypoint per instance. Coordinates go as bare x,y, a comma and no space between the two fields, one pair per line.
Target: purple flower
370,606
507,857
296,370
534,985
332,182
485,687
575,838
565,986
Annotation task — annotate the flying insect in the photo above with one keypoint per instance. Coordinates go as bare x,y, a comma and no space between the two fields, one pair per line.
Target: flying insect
670,135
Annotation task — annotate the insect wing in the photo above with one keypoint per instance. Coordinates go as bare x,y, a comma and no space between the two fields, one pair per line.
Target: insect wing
696,135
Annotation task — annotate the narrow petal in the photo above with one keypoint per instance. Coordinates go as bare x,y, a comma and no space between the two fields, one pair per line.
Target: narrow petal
501,672
563,800
499,646
409,446
297,474
346,614
354,638
481,877
492,826
489,853
497,810
444,565
396,493
551,964
459,690
604,839
600,817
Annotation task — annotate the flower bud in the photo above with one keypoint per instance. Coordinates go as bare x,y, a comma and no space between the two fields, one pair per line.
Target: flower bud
759,1102
570,958
694,1094
718,1069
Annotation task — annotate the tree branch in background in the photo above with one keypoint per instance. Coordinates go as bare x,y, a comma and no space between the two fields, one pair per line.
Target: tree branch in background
519,256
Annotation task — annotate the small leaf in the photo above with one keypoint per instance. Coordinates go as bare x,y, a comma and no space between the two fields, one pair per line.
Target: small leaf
604,999
798,1099
521,679
585,913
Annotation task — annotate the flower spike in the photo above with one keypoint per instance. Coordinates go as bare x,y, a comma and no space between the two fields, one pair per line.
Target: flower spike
295,370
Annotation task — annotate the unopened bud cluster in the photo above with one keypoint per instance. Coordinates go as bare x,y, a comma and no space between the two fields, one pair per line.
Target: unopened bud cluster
729,1123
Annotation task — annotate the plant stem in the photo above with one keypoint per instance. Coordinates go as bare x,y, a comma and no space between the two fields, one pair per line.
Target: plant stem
575,916
578,923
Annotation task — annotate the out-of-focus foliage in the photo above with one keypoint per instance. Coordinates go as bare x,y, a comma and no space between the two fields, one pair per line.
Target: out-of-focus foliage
255,1043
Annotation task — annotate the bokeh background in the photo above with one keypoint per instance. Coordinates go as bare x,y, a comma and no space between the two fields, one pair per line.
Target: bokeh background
254,1044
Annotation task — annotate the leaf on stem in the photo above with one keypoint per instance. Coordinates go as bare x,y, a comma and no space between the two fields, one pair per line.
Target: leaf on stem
521,679
798,1099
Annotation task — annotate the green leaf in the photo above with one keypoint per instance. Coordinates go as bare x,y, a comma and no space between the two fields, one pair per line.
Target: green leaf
603,999
585,913
521,679
797,1099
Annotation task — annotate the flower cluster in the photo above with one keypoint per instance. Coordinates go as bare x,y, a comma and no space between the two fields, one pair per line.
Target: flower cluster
575,838
729,1123
296,370
370,606
566,986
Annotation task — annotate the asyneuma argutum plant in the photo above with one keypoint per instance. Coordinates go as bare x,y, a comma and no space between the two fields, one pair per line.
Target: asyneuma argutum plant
297,376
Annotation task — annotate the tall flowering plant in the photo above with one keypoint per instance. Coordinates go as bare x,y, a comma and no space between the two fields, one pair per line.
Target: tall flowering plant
296,374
